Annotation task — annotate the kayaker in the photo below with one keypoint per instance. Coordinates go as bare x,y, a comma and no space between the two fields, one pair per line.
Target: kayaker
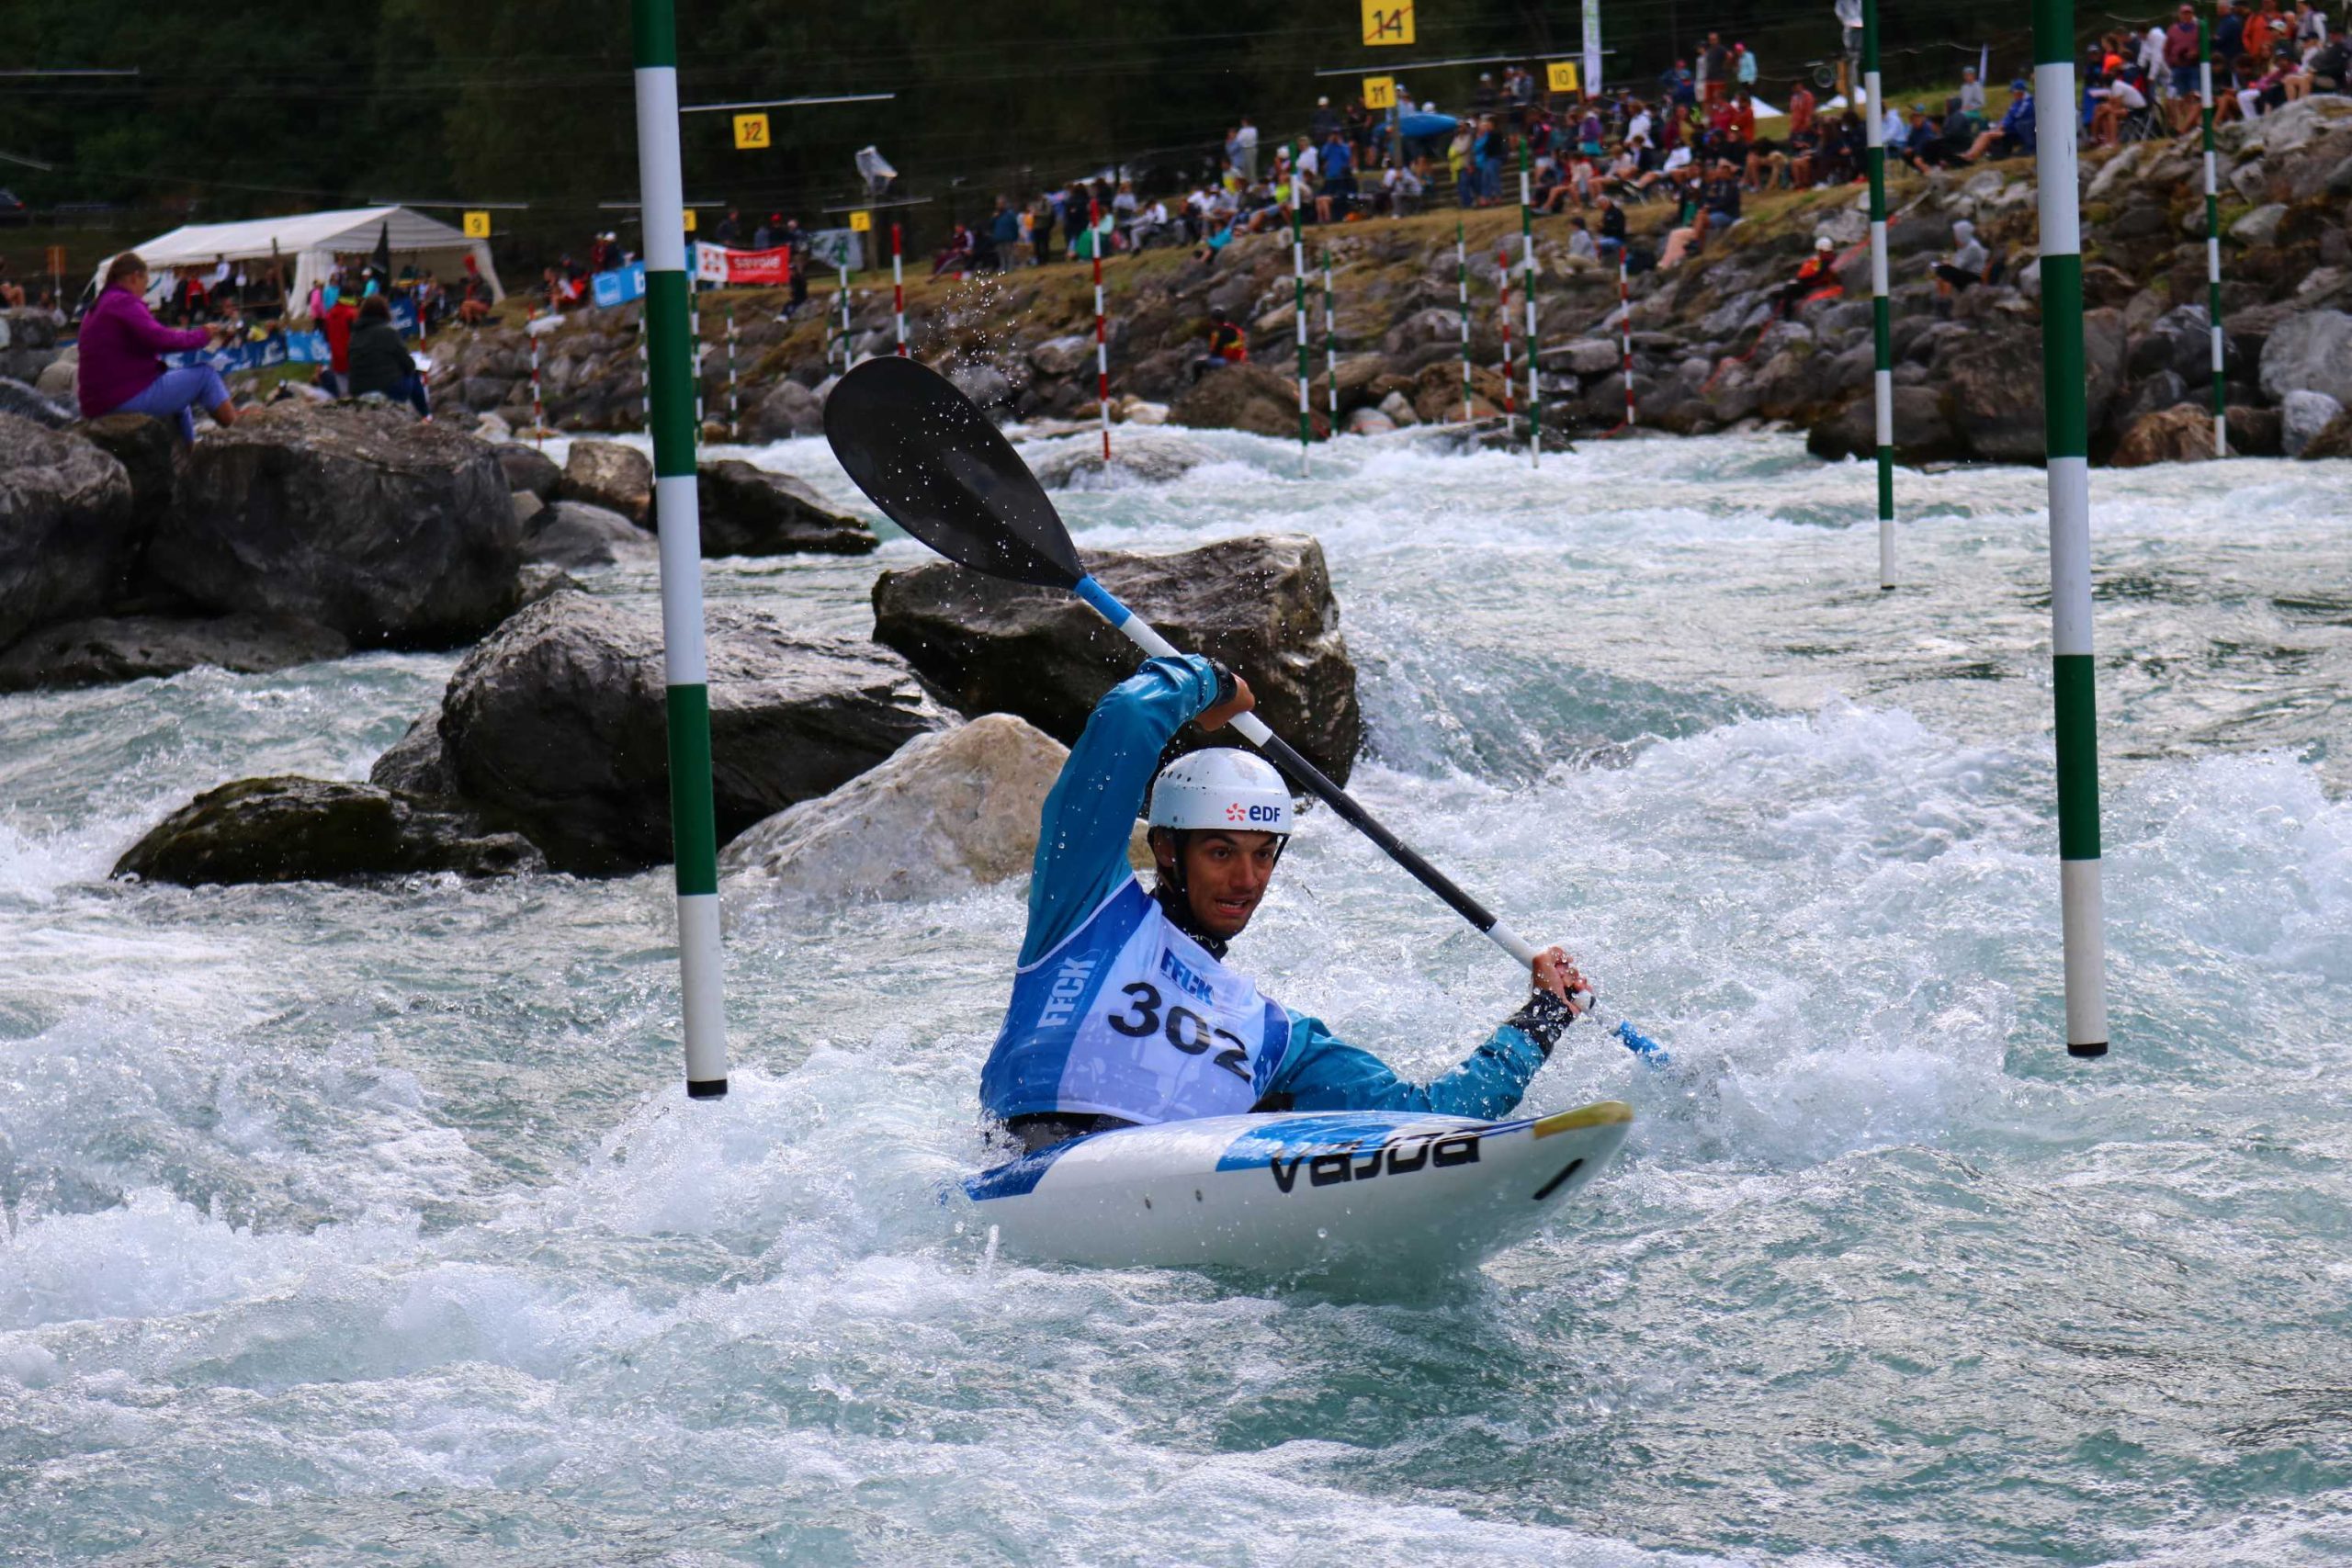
1122,1010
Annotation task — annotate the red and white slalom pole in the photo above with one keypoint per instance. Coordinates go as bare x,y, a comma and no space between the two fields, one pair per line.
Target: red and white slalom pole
1102,336
1625,337
734,407
1503,271
899,291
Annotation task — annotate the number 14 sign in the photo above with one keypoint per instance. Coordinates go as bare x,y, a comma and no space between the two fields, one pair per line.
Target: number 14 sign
1388,23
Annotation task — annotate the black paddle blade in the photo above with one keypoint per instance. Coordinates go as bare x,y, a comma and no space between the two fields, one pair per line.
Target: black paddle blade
924,453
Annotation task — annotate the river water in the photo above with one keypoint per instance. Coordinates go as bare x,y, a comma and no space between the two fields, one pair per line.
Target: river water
372,1226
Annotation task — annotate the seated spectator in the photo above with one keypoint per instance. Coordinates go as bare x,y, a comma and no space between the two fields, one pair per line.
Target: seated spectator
380,362
955,256
2117,99
1972,93
1581,245
1610,244
119,371
1964,269
2328,65
1228,344
1402,189
2014,136
1151,225
1815,277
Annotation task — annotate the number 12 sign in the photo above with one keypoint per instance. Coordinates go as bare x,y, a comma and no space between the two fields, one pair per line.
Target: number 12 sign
1388,23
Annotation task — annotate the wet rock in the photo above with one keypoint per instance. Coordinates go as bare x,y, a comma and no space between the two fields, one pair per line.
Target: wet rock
417,763
560,721
1263,604
1154,456
1399,410
2253,432
298,829
748,510
108,650
607,474
2335,440
2161,391
528,469
393,532
948,811
1243,396
1368,421
2310,352
67,533
984,384
2302,417
576,537
1062,355
2183,434
1923,429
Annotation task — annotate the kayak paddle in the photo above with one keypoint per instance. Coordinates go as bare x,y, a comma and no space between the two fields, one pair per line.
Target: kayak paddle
936,466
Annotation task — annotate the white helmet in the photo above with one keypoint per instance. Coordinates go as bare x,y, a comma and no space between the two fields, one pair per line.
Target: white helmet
1221,788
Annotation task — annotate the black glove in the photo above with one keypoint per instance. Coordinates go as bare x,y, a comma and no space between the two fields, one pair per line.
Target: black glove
1542,1019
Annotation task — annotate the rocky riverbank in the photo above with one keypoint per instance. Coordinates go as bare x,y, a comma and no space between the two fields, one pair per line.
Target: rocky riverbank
1709,352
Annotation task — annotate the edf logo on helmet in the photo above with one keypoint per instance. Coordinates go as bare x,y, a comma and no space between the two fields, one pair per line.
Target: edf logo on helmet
1221,787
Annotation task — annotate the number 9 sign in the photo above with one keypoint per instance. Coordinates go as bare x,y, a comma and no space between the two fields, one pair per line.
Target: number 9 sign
476,225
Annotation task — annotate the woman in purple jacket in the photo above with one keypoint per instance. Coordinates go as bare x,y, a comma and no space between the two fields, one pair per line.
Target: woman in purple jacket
120,372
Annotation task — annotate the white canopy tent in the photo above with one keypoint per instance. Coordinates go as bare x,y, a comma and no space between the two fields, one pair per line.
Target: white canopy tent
311,241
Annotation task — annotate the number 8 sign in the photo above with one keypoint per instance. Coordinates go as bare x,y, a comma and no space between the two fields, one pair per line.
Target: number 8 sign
1388,23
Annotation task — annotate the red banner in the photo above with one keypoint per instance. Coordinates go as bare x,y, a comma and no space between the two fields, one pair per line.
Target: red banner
771,268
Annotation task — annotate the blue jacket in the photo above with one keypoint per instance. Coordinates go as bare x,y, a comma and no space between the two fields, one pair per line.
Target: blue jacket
1082,860
2018,120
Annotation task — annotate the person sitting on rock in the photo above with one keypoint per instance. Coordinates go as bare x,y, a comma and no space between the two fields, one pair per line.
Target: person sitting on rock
1123,1011
380,362
1228,344
2013,137
1816,278
119,371
1964,269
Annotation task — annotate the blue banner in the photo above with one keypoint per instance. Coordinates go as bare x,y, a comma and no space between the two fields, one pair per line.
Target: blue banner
620,287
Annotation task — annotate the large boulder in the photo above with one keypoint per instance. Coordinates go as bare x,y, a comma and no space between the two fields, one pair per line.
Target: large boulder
787,409
24,402
2182,433
1243,396
2334,441
148,450
393,532
560,720
2310,353
529,468
2302,417
576,536
298,830
1922,432
1993,381
607,474
107,650
67,533
417,763
949,811
1261,604
748,510
1152,456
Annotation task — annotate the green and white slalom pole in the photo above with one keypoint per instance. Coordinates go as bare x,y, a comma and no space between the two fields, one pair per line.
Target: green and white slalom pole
1527,286
671,363
1462,286
1882,320
2212,238
1298,302
2066,424
1330,343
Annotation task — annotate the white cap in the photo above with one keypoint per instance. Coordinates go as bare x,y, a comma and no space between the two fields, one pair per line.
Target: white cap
1221,788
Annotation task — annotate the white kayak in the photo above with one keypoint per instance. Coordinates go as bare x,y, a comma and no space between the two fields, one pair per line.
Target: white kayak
1297,1192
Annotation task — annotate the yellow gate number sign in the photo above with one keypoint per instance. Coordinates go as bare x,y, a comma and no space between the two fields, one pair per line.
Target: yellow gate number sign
1380,92
750,130
690,219
476,225
861,223
1563,74
1388,23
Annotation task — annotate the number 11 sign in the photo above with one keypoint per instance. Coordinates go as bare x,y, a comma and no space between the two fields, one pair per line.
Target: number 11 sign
1388,23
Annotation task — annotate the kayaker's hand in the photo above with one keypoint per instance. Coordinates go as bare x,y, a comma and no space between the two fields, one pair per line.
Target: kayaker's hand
1557,972
1241,702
